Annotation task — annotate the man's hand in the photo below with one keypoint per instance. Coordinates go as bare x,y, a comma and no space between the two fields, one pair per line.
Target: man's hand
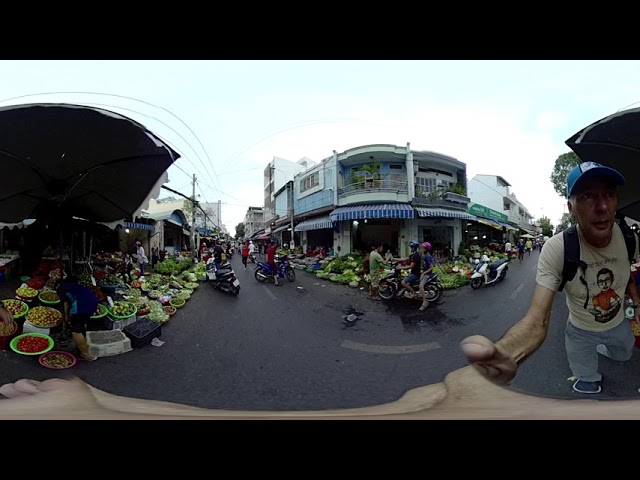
6,316
489,359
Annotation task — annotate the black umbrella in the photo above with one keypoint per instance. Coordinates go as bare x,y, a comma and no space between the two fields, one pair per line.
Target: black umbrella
614,141
63,160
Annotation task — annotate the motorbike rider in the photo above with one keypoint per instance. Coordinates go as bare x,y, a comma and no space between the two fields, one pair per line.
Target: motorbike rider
415,267
427,272
217,255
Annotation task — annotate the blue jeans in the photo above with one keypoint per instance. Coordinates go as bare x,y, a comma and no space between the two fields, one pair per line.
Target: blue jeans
411,278
581,348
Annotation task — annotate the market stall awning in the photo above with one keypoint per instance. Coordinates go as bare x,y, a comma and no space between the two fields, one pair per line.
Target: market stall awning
379,210
140,226
444,213
281,228
316,223
491,223
264,236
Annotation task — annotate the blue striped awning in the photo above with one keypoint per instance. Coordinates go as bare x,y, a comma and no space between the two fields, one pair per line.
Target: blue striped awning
380,210
139,226
444,213
316,223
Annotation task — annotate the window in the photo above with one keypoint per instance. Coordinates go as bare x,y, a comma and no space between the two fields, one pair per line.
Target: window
309,182
396,167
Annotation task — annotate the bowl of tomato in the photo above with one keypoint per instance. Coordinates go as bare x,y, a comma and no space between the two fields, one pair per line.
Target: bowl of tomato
31,343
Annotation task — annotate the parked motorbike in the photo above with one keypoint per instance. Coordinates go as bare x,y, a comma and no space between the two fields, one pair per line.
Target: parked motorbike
264,271
223,278
485,274
390,286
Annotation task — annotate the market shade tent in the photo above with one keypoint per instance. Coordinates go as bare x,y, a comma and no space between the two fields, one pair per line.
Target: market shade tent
64,160
614,141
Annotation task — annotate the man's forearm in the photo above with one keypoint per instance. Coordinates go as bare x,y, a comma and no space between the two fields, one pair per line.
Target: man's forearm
524,338
632,290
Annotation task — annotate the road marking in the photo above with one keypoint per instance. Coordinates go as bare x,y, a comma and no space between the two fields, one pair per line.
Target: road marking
390,349
516,291
269,292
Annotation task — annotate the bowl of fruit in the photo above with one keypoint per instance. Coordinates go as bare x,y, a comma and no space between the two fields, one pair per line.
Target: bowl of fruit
122,310
100,312
17,307
44,317
31,344
26,293
169,310
57,360
177,302
49,297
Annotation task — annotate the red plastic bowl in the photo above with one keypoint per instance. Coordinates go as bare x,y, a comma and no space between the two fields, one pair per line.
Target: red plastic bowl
44,356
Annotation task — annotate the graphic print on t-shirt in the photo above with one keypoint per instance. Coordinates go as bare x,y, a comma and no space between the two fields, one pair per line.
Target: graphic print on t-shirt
606,304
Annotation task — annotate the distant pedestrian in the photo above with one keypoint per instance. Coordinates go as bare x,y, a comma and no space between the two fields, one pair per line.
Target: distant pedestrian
155,256
245,254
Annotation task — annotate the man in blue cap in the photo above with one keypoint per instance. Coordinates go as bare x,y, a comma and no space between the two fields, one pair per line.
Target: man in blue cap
593,201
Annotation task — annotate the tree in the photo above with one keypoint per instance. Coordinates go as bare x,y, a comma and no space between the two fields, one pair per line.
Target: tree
564,164
565,222
545,224
240,231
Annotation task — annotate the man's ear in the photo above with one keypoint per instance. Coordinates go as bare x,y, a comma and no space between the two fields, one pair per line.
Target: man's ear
570,207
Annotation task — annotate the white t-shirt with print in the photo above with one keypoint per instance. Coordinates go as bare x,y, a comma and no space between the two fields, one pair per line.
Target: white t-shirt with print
607,274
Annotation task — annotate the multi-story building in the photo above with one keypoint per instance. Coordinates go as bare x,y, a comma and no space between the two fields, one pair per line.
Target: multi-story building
367,194
276,174
253,221
491,193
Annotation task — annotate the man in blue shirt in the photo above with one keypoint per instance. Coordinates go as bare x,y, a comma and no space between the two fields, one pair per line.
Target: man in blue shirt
427,272
79,304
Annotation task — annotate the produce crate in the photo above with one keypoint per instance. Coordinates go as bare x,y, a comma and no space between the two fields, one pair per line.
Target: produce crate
142,332
105,343
111,323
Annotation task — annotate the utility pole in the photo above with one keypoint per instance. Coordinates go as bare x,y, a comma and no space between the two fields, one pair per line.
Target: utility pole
292,243
194,250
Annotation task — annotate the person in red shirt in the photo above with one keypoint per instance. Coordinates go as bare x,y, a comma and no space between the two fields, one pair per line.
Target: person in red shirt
271,253
245,254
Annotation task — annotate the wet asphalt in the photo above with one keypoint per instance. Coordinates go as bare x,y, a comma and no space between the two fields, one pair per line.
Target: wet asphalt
295,348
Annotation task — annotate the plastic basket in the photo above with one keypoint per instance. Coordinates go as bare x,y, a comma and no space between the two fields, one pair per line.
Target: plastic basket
14,343
47,302
106,343
104,311
43,358
6,339
123,317
142,332
20,315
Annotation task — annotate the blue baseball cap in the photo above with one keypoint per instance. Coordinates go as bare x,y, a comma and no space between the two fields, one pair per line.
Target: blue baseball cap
589,170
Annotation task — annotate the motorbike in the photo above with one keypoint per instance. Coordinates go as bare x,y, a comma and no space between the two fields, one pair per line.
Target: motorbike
485,274
390,286
263,270
252,257
223,278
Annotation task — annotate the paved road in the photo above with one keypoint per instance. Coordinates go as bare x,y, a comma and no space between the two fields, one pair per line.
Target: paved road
289,348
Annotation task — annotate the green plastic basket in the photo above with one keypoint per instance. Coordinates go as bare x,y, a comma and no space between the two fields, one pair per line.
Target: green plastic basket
104,311
47,302
24,279
14,343
123,317
15,317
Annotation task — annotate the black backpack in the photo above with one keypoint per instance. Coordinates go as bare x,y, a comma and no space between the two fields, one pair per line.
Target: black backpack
572,251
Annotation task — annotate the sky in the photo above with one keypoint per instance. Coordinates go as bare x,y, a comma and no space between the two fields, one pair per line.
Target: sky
228,119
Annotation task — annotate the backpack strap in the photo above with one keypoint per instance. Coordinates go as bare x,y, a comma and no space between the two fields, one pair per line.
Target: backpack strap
629,238
571,255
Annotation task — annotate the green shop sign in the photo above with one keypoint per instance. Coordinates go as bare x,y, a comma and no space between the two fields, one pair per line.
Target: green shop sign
486,212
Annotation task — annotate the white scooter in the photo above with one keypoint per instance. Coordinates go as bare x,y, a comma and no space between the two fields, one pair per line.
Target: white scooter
485,274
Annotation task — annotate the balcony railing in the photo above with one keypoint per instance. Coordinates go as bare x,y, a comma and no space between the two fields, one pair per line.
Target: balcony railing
373,186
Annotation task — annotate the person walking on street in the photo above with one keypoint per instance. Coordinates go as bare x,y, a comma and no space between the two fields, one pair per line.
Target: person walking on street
528,246
245,254
520,250
155,256
593,201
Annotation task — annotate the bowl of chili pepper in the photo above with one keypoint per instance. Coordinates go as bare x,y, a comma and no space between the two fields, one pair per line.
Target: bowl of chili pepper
57,360
31,344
